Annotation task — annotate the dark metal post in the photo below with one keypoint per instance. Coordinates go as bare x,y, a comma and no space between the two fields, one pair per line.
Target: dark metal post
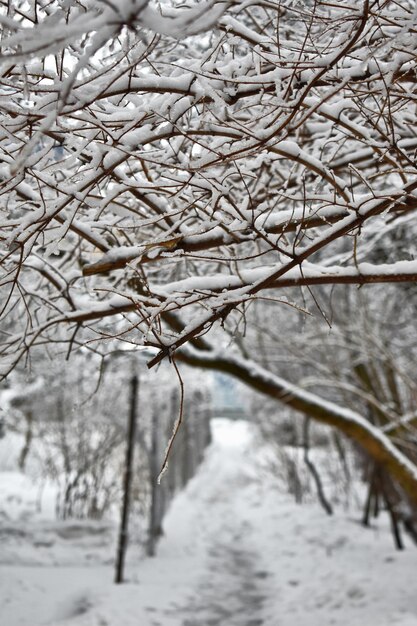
153,518
127,480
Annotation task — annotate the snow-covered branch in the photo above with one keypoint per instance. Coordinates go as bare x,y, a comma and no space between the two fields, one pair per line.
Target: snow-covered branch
375,442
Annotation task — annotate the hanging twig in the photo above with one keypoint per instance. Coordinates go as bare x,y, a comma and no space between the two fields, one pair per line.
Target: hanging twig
177,424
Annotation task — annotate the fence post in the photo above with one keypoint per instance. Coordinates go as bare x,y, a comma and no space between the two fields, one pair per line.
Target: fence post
127,481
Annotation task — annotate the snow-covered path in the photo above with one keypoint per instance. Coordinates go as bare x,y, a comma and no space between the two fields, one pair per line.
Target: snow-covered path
237,599
237,552
231,588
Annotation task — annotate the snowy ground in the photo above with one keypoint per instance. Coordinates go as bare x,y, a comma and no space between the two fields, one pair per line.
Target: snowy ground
236,552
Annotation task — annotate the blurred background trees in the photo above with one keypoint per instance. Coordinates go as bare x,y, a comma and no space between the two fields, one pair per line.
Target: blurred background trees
68,424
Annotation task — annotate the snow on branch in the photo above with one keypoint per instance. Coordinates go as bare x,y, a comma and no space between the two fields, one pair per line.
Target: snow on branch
189,157
352,424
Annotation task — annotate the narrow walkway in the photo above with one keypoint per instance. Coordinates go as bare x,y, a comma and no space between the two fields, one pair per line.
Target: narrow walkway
231,593
231,590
